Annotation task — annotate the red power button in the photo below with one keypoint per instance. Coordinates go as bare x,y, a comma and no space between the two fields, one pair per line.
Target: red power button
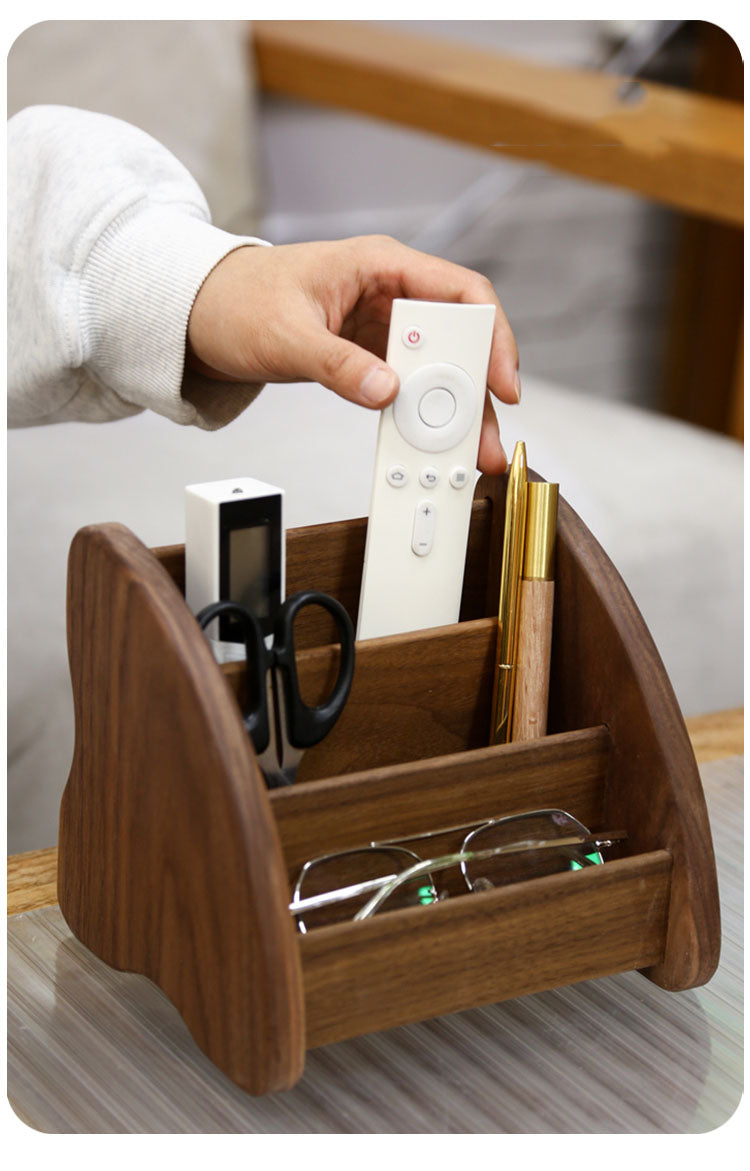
412,337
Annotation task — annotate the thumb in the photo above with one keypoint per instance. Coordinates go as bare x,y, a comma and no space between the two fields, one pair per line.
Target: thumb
350,371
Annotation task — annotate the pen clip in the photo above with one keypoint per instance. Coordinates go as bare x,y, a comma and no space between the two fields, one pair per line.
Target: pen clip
503,682
510,580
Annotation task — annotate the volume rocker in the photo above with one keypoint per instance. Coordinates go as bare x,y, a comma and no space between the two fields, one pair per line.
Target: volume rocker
423,532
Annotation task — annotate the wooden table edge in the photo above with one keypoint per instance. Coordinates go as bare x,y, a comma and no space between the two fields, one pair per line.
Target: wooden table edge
32,876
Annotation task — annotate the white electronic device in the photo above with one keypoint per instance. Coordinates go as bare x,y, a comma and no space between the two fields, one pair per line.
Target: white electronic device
234,551
425,467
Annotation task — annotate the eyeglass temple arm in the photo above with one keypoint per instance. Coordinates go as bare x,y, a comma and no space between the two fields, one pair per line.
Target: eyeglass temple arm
591,842
340,895
454,829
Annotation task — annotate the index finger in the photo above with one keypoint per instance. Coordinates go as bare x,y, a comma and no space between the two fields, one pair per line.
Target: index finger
406,272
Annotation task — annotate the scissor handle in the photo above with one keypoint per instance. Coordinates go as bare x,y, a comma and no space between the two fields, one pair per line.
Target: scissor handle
308,725
255,718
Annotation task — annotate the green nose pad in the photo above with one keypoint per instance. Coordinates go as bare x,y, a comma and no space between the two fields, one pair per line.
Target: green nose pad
596,858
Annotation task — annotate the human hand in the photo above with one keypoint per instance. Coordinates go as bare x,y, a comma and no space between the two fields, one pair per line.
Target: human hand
320,312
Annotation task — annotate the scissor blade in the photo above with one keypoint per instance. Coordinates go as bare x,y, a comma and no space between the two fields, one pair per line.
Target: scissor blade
280,761
287,755
277,778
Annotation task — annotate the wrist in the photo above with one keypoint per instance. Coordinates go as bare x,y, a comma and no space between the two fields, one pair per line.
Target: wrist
225,315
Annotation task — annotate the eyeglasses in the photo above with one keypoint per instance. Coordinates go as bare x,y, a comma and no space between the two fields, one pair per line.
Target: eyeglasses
354,884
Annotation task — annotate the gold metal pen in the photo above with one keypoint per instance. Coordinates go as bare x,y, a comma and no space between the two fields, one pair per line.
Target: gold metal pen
510,580
535,609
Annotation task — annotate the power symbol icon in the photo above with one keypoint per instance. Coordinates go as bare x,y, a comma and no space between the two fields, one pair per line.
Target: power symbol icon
412,337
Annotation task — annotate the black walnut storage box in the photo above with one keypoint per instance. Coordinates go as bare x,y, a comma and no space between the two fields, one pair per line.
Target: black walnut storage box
175,861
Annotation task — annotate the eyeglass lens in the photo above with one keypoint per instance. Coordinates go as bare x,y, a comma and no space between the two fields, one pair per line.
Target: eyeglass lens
352,867
502,869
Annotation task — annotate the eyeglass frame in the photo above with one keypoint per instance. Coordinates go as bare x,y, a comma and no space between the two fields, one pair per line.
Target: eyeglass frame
384,886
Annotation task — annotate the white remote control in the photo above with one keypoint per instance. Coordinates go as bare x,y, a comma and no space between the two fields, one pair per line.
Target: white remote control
425,467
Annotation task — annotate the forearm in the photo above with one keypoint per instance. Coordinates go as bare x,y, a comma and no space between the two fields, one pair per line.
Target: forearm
116,274
109,241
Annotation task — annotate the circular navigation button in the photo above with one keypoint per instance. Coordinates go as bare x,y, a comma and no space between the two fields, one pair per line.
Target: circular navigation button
429,477
397,476
437,407
458,394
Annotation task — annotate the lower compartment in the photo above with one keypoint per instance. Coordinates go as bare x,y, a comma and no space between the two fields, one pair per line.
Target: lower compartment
422,962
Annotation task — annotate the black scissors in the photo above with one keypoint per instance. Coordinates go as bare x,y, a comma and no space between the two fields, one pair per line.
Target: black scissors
279,723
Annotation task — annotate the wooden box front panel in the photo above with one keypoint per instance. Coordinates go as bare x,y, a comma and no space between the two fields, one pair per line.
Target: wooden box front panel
481,948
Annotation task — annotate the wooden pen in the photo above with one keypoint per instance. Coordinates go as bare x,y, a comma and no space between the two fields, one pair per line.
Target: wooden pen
536,603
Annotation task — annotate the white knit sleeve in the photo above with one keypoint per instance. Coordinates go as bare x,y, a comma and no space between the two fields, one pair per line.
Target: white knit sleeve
109,241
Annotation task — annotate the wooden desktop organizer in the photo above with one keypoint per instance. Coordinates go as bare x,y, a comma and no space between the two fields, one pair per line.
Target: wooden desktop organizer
175,860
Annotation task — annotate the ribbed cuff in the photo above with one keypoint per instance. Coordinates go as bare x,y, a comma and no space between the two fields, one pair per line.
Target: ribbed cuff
138,287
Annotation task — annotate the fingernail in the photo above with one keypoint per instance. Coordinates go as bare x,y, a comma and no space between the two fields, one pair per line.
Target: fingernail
378,385
518,387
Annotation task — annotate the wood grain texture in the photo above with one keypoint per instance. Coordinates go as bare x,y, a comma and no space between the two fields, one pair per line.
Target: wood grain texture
169,860
32,880
679,148
531,696
567,771
421,962
717,734
32,876
706,330
412,697
606,669
92,1050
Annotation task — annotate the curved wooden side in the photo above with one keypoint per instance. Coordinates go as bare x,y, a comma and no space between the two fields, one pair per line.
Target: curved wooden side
169,860
606,670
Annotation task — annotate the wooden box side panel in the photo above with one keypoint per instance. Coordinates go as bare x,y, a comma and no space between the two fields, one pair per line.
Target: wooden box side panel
407,965
169,858
606,669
